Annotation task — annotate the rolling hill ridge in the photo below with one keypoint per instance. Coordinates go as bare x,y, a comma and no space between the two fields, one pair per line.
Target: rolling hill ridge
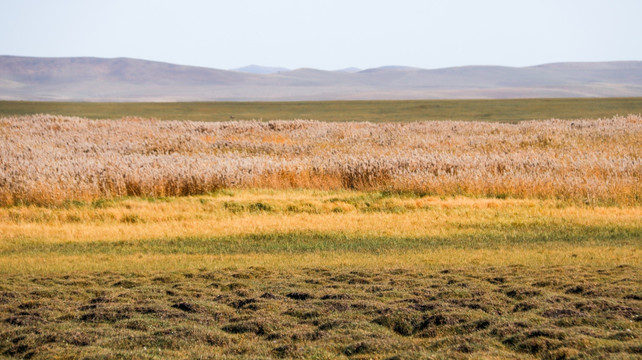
125,79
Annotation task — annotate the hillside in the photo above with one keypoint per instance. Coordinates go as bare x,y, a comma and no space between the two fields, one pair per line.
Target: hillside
123,79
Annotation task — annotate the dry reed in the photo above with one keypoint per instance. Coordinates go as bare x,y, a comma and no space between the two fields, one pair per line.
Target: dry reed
47,159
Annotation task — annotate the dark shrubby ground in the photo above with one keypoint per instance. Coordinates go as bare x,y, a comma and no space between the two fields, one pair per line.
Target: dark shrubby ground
326,313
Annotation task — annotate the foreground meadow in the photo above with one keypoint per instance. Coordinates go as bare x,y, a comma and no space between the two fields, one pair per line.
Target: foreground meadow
136,238
320,274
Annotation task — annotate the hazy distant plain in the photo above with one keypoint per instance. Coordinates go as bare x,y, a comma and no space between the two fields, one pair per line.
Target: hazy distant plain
374,111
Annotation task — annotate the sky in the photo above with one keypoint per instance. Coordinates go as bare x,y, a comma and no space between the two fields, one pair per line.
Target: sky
326,34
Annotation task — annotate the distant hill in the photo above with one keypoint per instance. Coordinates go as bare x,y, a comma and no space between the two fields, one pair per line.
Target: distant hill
257,69
349,70
124,79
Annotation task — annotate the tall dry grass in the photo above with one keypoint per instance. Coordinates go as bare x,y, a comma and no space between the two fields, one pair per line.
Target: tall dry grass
48,159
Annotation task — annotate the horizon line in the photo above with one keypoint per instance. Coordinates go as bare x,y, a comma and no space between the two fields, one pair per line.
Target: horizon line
358,69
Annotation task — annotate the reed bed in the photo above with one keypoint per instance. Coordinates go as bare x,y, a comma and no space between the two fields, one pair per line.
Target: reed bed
47,159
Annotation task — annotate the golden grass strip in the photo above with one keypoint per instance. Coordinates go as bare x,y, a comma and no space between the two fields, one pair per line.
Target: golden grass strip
351,213
559,255
52,159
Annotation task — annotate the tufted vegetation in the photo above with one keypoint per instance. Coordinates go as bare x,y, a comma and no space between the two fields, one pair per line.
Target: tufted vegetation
51,159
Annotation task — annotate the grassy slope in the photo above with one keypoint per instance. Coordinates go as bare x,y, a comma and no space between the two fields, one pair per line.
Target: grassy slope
375,111
320,274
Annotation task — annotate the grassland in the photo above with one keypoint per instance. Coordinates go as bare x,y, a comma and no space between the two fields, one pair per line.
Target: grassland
147,239
320,274
271,224
373,111
53,159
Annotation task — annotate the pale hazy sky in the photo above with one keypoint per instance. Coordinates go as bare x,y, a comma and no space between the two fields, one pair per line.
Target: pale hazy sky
327,34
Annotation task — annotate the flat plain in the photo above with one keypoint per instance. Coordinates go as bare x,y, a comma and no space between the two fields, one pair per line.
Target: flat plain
511,110
318,241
